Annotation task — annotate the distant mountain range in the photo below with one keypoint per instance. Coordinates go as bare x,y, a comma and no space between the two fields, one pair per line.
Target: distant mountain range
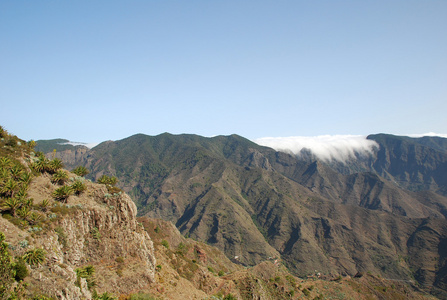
382,212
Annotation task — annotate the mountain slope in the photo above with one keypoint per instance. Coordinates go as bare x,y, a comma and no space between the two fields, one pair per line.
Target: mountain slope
253,202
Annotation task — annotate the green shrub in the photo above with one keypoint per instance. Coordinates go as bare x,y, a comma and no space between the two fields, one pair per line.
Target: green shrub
61,236
62,193
59,177
20,270
80,171
78,187
306,292
35,256
221,273
165,244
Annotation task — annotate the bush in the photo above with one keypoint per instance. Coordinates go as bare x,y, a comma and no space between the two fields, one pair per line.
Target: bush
20,270
62,193
78,187
165,244
80,171
35,256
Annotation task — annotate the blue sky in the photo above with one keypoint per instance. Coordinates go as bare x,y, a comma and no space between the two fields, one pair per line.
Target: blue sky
103,70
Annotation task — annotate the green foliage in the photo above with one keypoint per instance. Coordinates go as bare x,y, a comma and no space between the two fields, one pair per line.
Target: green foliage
158,268
95,233
80,171
157,229
211,270
41,165
62,193
104,179
34,256
229,297
61,236
78,187
59,177
165,244
6,268
20,270
221,273
54,165
306,292
88,273
44,205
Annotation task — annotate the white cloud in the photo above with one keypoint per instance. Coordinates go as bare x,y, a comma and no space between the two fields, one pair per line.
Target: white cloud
88,145
325,147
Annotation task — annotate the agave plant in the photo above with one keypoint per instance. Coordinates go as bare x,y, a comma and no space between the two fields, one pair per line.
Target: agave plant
9,188
24,212
78,187
60,177
34,218
26,178
80,171
35,256
55,164
5,162
16,171
41,165
62,193
13,204
44,205
104,179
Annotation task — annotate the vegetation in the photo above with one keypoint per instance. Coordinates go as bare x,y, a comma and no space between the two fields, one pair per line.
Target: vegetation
6,268
62,193
78,187
59,177
80,171
88,273
35,256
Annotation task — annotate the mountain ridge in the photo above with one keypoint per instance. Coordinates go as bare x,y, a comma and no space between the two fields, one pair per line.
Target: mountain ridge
254,202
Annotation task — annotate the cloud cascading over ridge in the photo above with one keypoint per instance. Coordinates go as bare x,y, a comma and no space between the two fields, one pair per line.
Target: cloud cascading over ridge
325,147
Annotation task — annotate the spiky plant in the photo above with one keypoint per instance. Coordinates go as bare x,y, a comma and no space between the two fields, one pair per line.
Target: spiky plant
104,179
41,164
9,188
80,171
5,162
13,204
60,177
62,193
16,171
34,218
24,212
26,178
35,256
22,193
78,187
44,205
54,165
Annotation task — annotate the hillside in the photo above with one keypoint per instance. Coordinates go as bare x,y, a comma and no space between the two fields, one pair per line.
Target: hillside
90,245
255,203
